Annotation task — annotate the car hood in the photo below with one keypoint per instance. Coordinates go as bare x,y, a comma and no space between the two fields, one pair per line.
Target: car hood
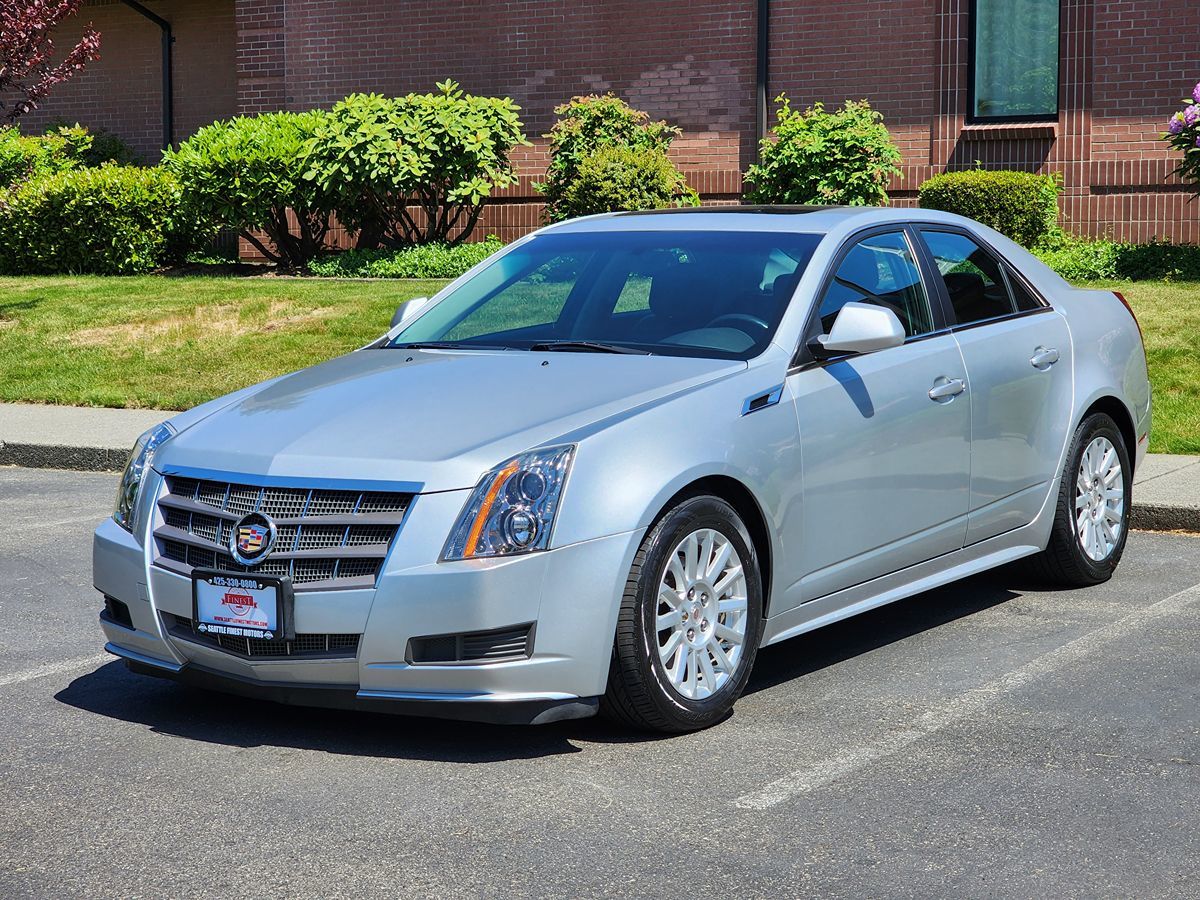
434,417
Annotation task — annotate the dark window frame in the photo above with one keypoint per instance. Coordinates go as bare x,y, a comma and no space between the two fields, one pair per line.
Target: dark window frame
972,56
802,357
1008,272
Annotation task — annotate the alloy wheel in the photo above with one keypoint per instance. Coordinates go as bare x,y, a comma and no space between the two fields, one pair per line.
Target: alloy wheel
1099,499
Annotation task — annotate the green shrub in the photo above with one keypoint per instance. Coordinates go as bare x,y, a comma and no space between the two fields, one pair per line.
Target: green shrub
23,157
1020,205
422,261
1085,259
816,157
443,153
246,173
621,178
94,148
585,126
111,220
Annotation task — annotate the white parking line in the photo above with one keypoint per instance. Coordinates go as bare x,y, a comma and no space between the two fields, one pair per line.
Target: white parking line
58,668
964,706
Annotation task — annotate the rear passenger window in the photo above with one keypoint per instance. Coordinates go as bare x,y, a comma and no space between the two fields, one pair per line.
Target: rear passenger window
879,270
974,281
1025,298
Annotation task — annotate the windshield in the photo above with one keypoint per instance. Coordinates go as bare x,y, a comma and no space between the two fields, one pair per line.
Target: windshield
686,293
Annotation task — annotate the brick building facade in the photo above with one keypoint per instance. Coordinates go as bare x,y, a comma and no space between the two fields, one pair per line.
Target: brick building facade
1122,67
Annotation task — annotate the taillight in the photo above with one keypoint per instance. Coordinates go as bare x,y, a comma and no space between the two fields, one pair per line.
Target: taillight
1125,303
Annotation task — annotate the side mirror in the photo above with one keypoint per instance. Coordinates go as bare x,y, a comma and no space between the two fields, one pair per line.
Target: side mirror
860,328
406,312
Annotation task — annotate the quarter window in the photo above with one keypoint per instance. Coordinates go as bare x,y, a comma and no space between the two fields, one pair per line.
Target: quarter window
1015,49
879,270
974,282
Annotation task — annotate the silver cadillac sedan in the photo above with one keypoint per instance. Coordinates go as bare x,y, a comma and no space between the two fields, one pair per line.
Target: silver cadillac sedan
605,466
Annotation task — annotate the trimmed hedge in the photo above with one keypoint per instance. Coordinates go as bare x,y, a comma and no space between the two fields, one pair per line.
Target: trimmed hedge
1020,205
1079,259
421,261
110,220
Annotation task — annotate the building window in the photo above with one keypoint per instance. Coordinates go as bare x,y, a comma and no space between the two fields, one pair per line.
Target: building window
1014,60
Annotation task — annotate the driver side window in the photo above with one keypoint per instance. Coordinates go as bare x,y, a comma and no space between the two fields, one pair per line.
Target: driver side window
879,270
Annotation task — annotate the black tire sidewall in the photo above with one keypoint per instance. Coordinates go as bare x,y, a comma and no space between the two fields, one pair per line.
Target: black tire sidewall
1094,426
691,515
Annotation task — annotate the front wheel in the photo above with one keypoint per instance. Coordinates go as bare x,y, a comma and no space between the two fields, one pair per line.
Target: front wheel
690,621
1091,521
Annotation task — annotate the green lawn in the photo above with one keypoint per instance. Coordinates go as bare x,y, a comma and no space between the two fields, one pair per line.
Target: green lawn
171,343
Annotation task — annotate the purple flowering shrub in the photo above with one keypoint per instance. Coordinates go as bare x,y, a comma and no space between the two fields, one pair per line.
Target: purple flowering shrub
1183,133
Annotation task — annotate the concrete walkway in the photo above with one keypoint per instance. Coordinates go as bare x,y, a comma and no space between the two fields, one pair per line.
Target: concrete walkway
1166,489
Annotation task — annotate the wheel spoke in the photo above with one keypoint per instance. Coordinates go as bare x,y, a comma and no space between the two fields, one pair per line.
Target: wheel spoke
670,619
680,669
675,567
668,649
718,651
691,677
717,566
706,667
669,596
691,557
729,578
725,633
1081,501
1111,515
733,604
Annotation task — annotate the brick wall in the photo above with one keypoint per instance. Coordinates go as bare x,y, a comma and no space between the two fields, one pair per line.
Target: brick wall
1125,63
122,91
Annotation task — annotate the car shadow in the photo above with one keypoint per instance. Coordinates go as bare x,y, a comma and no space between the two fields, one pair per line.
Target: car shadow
172,709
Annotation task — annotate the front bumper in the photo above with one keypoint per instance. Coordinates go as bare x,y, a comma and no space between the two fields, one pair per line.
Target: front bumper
572,594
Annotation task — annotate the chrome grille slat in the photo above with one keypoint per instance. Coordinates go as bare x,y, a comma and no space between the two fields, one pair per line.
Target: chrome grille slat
326,539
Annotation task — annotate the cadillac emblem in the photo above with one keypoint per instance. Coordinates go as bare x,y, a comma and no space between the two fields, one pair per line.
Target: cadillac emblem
252,539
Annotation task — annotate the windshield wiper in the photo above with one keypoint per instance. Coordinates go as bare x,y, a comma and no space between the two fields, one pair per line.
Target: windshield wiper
587,347
446,345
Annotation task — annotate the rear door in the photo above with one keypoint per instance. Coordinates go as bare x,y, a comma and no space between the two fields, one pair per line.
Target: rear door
1017,352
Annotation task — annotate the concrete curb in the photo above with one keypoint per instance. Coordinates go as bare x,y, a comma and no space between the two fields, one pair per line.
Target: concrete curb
51,456
1145,517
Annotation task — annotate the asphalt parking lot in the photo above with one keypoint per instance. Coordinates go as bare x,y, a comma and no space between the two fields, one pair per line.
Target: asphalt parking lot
984,740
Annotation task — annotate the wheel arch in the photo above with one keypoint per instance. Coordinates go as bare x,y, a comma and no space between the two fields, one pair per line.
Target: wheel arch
1116,410
742,499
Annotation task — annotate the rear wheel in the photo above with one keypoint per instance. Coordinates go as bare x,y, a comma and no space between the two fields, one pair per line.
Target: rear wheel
1091,521
690,621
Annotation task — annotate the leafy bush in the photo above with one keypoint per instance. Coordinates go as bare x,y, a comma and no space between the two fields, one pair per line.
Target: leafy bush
1020,205
443,153
94,148
816,157
1083,259
585,126
23,157
246,174
620,178
1183,134
111,220
422,261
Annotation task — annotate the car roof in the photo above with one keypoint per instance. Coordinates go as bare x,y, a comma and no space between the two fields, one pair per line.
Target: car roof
809,219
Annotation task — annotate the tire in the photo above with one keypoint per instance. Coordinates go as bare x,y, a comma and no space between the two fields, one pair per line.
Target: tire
643,692
1065,560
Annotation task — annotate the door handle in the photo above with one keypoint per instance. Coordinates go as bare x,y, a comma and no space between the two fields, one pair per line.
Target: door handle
946,388
1043,358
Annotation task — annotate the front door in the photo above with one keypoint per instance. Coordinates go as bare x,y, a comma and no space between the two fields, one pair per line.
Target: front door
886,466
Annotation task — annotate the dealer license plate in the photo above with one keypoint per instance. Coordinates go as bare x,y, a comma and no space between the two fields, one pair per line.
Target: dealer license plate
239,605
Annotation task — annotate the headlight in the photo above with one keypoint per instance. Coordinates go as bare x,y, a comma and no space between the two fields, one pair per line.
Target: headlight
512,508
131,481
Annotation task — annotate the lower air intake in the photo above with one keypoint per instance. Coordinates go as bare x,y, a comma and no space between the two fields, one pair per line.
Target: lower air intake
498,645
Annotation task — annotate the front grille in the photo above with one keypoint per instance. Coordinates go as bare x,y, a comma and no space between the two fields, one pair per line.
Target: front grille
325,646
497,645
326,539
